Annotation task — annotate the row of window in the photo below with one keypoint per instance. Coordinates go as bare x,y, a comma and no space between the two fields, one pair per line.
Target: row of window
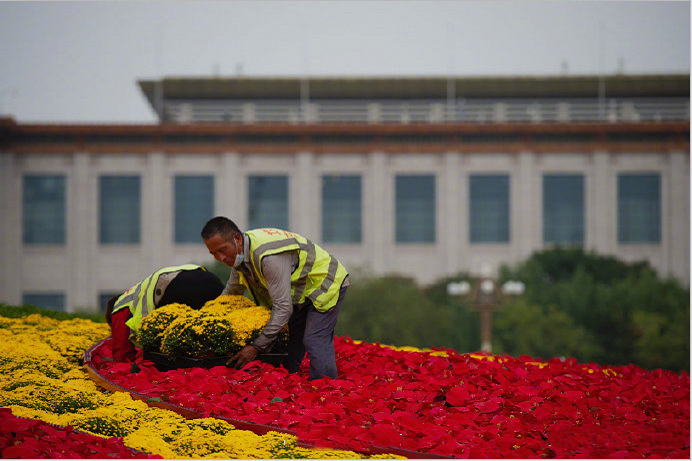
638,208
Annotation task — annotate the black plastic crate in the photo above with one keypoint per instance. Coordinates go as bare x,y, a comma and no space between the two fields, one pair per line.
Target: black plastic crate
164,363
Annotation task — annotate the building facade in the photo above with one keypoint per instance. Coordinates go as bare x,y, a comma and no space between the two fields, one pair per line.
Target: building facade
393,176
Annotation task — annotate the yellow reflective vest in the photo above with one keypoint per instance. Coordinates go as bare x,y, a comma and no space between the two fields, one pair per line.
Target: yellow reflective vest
139,298
318,276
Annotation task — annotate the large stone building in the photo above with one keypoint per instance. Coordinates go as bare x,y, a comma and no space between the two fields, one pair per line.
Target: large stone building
425,177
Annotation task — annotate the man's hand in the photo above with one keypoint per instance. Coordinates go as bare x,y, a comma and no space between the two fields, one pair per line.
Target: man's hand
242,358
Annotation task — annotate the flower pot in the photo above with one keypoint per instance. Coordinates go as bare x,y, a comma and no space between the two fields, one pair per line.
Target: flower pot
164,363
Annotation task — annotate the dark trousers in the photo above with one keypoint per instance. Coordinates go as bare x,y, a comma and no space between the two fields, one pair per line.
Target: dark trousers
312,331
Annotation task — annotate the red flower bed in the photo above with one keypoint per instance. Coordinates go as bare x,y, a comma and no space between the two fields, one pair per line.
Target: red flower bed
459,405
31,439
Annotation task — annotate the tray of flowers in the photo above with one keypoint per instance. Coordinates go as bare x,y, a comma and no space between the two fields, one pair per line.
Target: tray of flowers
177,336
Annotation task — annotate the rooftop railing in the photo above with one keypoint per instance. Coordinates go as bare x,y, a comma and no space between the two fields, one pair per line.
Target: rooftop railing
432,111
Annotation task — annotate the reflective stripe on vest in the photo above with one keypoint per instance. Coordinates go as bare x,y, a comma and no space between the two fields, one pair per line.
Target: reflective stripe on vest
318,276
139,298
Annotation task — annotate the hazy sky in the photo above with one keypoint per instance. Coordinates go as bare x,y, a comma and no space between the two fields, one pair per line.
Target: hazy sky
80,61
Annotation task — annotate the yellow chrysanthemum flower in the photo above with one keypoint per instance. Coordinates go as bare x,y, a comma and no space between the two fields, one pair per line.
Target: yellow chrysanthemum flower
222,327
151,333
37,382
228,302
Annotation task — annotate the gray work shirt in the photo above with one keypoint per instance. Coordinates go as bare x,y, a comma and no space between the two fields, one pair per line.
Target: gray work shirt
277,270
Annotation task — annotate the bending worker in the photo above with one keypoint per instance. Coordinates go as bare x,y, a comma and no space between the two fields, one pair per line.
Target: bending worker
187,284
301,283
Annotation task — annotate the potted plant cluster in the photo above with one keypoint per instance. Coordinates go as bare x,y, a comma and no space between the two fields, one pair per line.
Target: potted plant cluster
177,336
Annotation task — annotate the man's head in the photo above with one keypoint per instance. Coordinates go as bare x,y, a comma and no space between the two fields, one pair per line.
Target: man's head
223,240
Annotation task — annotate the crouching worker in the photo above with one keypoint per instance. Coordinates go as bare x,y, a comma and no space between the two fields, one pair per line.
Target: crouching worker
187,284
301,283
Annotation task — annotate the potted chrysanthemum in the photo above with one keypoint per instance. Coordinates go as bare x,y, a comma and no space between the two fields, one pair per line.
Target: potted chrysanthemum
176,336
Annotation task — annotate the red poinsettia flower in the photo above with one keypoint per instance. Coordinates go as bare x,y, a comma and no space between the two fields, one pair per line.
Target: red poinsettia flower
456,405
32,439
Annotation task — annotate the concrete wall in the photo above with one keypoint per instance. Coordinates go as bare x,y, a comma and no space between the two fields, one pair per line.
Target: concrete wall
83,268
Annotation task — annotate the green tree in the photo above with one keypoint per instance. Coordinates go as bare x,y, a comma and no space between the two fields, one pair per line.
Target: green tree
462,332
392,310
525,328
629,314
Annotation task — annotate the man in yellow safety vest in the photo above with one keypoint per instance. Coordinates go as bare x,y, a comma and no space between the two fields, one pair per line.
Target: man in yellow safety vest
187,284
301,282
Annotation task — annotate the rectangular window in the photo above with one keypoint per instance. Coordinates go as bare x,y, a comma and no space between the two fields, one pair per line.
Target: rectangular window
563,209
415,208
341,209
639,208
120,209
489,208
43,208
268,202
194,206
53,301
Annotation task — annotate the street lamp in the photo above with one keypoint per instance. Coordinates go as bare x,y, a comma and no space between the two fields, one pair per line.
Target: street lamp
485,295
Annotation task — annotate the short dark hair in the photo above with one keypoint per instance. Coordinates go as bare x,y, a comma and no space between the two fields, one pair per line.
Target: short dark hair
220,225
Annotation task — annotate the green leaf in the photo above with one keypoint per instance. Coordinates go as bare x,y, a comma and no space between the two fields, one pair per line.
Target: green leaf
276,399
154,399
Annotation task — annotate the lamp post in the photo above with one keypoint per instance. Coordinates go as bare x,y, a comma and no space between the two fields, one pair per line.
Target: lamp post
486,295
486,300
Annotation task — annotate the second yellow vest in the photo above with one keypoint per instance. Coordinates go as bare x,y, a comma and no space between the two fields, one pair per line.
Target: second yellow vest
139,298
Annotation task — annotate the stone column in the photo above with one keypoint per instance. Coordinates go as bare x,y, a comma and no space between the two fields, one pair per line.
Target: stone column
525,209
675,217
230,190
11,229
303,196
157,213
82,234
453,216
378,212
601,205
